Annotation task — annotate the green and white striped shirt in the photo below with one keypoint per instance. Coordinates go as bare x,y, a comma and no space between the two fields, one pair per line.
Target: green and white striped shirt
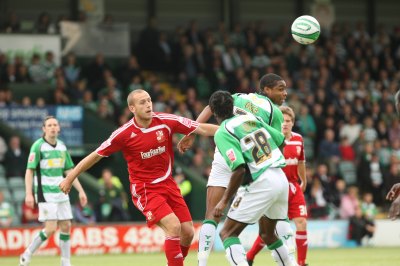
260,106
53,161
244,139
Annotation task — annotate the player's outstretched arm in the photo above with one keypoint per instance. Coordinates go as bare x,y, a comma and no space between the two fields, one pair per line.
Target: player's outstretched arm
206,129
187,141
81,167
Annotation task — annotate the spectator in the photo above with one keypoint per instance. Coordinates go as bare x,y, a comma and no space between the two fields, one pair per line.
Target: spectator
113,200
368,207
6,212
184,184
44,25
12,24
349,203
71,69
84,215
15,158
360,227
346,150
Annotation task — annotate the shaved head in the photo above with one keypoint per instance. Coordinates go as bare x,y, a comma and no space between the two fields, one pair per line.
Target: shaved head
131,96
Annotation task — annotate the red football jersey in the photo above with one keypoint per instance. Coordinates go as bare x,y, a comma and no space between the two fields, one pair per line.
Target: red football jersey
148,151
294,153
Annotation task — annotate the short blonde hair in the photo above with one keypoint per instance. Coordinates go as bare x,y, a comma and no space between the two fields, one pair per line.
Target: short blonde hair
286,110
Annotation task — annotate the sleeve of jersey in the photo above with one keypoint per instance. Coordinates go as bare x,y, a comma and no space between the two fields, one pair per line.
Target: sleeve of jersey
302,156
230,149
111,145
180,124
68,162
34,156
276,135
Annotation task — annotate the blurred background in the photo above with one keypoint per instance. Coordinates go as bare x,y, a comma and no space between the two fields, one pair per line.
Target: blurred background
79,59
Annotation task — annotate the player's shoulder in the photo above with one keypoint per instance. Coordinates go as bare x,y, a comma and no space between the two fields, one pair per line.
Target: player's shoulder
124,129
164,116
38,143
296,137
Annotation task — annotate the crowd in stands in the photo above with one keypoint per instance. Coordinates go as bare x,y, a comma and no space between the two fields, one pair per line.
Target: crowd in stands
341,90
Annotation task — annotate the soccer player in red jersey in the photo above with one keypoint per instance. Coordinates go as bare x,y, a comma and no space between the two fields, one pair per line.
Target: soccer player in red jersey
146,143
295,171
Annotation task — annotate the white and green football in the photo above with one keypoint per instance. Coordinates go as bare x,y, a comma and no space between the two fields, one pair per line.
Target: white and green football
305,29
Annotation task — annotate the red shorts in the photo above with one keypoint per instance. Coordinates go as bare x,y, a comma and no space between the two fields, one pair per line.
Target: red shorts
156,201
297,203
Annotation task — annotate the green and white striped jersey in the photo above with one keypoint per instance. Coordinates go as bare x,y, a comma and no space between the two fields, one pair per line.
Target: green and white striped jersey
50,162
244,139
260,106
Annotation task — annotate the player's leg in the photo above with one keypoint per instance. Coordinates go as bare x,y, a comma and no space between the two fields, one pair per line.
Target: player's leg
234,250
152,202
172,229
301,239
64,216
187,234
285,232
65,243
217,183
209,227
298,214
258,245
277,209
48,215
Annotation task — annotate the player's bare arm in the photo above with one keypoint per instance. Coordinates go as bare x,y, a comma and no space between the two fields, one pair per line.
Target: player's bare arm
394,211
29,199
301,170
394,192
234,184
81,167
77,185
206,129
187,141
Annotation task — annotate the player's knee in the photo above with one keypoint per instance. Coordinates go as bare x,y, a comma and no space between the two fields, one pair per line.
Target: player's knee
50,229
174,228
65,226
187,232
301,224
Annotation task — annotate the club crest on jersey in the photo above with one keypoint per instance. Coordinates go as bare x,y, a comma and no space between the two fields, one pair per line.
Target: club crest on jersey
149,216
160,136
231,155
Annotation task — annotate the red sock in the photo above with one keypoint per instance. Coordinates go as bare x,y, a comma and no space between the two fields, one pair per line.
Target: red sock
258,245
302,246
173,251
185,251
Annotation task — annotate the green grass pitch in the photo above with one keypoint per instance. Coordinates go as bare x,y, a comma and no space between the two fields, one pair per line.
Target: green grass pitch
316,257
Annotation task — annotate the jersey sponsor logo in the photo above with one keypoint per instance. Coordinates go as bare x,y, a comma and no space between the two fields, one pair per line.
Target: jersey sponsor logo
231,155
152,152
160,136
292,161
185,121
31,157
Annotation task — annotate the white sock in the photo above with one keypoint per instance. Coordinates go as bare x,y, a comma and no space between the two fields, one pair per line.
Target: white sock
280,253
285,232
235,252
65,247
35,244
206,241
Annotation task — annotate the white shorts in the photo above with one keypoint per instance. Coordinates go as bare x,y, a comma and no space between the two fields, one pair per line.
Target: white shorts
220,172
54,211
268,196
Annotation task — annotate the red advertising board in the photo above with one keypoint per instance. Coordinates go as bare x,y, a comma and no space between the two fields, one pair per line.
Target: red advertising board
93,239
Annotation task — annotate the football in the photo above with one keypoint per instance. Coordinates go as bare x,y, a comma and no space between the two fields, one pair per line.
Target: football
305,29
